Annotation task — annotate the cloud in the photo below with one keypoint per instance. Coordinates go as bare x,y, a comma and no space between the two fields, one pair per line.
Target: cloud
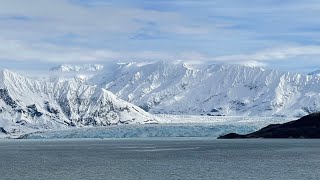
255,33
280,53
61,16
22,51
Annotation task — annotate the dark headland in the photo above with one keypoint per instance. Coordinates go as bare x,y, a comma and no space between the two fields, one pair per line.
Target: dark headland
305,127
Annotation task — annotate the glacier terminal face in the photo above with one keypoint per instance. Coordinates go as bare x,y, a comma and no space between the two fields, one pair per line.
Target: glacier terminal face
31,105
143,131
212,90
169,126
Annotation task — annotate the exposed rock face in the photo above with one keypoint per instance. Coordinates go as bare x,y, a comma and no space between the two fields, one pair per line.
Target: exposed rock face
42,105
305,127
2,130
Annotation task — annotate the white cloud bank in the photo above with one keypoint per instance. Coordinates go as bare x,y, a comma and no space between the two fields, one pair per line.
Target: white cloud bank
39,30
22,51
274,54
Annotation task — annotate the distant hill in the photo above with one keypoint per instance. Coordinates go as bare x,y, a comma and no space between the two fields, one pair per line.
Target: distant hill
77,68
305,127
317,72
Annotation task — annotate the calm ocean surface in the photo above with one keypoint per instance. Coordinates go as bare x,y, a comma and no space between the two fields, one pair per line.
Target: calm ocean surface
173,158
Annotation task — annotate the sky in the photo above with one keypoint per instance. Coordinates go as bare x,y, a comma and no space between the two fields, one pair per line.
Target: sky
282,34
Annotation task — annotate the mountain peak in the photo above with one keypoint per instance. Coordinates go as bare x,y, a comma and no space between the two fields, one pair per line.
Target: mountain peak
4,72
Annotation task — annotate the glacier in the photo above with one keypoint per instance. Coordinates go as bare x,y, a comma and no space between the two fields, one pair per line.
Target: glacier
169,126
142,131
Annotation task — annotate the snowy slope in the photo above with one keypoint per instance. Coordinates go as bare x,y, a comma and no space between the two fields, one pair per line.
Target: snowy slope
218,89
27,104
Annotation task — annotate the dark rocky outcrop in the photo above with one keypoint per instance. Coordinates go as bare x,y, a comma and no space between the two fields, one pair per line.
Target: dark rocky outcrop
33,111
2,130
305,127
4,95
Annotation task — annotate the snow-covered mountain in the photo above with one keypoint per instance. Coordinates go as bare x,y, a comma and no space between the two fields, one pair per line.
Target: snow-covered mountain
77,68
31,104
67,72
218,89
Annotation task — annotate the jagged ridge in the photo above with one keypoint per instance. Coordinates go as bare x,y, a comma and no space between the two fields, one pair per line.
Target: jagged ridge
35,104
218,89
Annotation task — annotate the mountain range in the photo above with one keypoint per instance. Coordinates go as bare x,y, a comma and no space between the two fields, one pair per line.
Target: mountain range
129,93
27,104
212,89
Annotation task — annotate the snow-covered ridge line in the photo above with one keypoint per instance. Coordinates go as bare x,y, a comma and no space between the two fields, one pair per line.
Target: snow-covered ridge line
214,89
26,105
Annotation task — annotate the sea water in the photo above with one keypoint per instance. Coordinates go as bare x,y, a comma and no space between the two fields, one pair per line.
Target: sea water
158,158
